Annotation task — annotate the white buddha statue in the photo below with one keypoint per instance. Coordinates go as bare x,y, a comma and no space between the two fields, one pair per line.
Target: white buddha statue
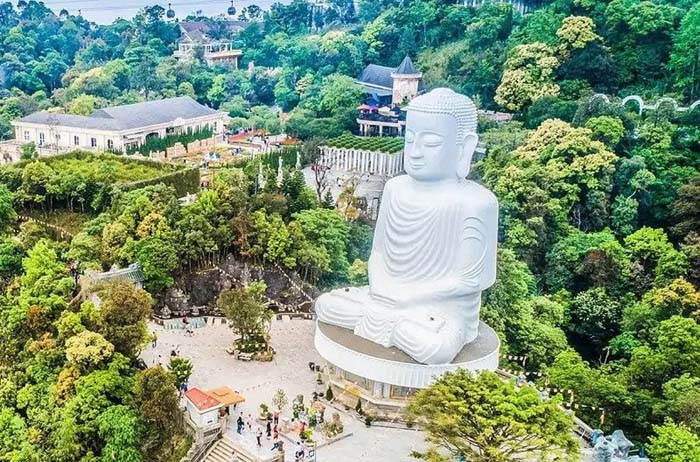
434,248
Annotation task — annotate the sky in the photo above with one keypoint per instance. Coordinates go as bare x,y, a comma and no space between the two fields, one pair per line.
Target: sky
106,11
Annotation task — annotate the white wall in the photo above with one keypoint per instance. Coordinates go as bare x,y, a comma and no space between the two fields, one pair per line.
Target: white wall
31,133
66,135
204,419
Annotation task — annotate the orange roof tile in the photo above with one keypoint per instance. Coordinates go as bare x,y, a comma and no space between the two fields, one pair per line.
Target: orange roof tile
202,400
226,396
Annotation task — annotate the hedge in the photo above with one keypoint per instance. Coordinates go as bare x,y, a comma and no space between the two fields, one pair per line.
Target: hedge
185,181
386,144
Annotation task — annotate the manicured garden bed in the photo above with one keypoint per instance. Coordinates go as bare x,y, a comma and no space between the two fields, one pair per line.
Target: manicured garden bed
384,144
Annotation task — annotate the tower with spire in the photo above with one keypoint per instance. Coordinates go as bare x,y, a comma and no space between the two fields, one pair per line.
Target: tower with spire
406,82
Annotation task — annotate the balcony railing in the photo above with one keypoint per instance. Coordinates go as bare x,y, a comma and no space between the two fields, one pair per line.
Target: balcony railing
375,117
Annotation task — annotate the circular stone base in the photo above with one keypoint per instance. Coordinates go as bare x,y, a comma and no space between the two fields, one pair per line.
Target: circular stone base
359,356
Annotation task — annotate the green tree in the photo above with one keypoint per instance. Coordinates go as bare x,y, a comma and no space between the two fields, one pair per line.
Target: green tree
528,76
8,215
246,311
88,349
122,429
487,419
156,398
685,55
326,229
158,260
124,311
674,443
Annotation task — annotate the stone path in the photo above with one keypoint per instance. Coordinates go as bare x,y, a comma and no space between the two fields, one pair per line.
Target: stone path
258,382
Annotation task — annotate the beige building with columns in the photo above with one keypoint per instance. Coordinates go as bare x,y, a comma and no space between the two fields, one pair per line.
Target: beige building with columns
116,128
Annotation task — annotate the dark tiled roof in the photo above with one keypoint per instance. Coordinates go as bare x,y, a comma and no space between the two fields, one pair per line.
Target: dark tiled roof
70,120
380,76
154,112
126,117
198,30
406,67
376,75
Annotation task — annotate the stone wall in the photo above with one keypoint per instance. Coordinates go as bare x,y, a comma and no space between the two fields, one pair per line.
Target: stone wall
201,288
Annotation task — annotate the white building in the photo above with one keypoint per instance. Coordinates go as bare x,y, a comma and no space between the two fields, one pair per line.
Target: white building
202,407
202,36
116,128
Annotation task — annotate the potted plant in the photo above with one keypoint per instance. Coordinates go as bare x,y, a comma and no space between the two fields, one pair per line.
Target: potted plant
329,394
410,422
368,420
264,410
307,435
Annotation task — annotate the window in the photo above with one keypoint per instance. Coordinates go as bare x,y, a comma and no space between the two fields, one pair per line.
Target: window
357,380
76,140
42,138
110,144
26,135
401,392
93,142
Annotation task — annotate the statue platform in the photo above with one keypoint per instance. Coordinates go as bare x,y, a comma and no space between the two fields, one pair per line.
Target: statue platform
382,368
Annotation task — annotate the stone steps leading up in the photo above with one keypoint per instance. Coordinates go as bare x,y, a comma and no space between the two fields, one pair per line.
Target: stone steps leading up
222,451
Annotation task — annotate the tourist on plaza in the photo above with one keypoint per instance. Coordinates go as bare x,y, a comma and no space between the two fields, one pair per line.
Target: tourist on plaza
276,417
239,423
154,338
299,453
275,432
258,435
249,421
269,429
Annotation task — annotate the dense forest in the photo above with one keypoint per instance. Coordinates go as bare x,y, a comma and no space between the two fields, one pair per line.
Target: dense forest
599,264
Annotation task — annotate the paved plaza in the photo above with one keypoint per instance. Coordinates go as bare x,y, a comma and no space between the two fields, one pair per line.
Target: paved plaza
258,382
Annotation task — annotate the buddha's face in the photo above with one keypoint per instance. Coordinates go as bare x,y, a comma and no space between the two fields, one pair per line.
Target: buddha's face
432,151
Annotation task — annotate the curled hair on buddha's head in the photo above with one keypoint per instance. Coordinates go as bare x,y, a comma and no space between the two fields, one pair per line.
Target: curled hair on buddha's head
446,101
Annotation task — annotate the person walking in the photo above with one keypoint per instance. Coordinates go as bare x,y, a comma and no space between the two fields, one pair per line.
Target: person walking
239,424
269,429
275,432
154,339
258,435
276,417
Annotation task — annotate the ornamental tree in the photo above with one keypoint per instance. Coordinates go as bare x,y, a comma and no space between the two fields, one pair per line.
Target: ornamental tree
246,310
181,369
485,419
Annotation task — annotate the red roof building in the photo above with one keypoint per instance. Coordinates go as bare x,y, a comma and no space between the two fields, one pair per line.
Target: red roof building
201,400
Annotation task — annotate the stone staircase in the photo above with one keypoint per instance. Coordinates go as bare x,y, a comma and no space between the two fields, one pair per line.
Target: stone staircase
222,451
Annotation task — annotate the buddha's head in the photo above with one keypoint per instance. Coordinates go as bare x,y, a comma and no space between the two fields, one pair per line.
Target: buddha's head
440,136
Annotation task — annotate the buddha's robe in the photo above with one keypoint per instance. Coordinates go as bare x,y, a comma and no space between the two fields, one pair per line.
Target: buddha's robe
434,251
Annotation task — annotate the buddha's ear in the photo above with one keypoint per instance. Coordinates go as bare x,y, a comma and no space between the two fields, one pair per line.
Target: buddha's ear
466,153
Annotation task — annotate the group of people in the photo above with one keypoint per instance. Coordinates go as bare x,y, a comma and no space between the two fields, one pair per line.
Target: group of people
271,431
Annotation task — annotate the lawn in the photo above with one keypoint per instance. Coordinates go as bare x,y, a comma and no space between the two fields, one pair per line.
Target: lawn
71,222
